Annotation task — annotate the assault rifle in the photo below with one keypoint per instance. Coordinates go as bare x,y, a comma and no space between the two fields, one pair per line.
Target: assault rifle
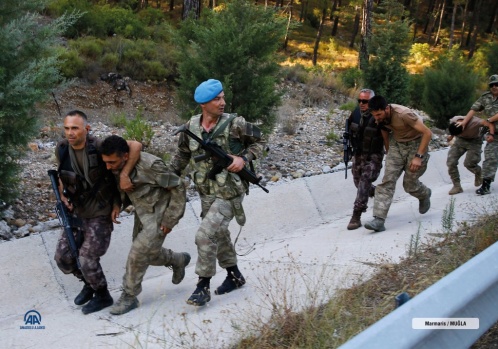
220,159
348,148
64,217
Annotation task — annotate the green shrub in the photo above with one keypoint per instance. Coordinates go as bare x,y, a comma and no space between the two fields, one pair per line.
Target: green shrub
351,77
118,120
416,90
139,130
109,61
71,64
237,46
449,90
420,53
349,105
492,58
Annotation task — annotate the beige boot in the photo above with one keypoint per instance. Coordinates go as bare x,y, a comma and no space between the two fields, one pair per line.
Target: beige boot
457,188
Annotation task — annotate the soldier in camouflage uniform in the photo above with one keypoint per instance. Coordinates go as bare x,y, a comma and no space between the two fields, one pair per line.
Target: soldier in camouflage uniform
221,199
407,153
89,192
159,199
488,104
466,141
368,147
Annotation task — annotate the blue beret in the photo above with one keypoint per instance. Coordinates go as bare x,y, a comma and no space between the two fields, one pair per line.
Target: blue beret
207,91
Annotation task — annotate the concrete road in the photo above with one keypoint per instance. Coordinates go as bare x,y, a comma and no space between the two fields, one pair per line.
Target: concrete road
299,253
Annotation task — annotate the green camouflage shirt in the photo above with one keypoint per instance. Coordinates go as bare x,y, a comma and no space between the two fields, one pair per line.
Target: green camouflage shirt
487,104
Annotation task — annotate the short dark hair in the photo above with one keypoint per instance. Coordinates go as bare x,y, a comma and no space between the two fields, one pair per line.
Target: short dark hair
377,103
454,129
114,145
77,113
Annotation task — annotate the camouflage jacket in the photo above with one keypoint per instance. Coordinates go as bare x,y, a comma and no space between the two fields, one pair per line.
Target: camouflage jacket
486,104
239,138
157,190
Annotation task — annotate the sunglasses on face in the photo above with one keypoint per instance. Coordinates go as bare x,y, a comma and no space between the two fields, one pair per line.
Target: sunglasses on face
363,101
494,84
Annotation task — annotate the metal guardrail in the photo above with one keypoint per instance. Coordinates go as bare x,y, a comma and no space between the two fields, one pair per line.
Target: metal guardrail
470,291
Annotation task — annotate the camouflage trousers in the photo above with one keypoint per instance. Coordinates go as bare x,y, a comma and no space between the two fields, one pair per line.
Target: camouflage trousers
213,237
473,148
95,234
490,163
398,159
366,169
146,249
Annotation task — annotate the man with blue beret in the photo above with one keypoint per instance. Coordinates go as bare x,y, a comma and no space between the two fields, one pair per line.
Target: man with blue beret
221,196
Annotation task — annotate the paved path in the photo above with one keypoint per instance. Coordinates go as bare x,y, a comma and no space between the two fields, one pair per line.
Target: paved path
302,253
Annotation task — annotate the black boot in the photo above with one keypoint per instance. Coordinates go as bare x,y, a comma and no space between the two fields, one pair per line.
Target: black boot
101,300
201,294
485,187
85,295
233,281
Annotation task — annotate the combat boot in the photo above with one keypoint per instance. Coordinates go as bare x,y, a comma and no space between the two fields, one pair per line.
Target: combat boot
376,224
233,281
85,295
201,295
124,304
425,204
180,261
457,188
355,221
101,300
478,177
484,190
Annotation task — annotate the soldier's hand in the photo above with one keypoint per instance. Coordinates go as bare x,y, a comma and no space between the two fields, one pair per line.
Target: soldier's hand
237,164
165,230
125,183
115,215
415,164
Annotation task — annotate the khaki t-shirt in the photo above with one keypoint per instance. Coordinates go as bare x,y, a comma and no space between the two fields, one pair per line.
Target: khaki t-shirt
472,129
402,122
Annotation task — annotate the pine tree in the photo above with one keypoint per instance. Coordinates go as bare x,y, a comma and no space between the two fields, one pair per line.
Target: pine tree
28,71
237,46
389,49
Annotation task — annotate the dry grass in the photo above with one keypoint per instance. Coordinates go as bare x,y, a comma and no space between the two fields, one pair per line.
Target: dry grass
353,310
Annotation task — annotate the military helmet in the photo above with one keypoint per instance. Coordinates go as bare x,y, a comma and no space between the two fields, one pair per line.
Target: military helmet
493,79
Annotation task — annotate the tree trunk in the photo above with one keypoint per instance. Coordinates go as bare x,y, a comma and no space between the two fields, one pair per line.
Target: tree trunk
464,23
443,5
334,27
319,36
286,40
493,18
191,8
366,33
473,41
171,5
432,24
356,27
452,27
429,16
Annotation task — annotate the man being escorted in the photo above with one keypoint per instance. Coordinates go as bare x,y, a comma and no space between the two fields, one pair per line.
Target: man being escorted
467,141
407,152
488,104
221,197
159,198
368,152
89,192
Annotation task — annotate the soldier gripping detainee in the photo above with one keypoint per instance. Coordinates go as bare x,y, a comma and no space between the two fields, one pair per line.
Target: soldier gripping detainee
159,198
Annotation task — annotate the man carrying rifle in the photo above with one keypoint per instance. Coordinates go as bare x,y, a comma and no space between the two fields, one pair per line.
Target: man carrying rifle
368,151
90,194
222,191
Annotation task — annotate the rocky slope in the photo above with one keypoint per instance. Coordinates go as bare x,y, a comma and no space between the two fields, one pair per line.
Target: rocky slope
305,142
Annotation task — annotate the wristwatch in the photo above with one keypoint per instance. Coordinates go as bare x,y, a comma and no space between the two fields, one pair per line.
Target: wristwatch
419,155
245,159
